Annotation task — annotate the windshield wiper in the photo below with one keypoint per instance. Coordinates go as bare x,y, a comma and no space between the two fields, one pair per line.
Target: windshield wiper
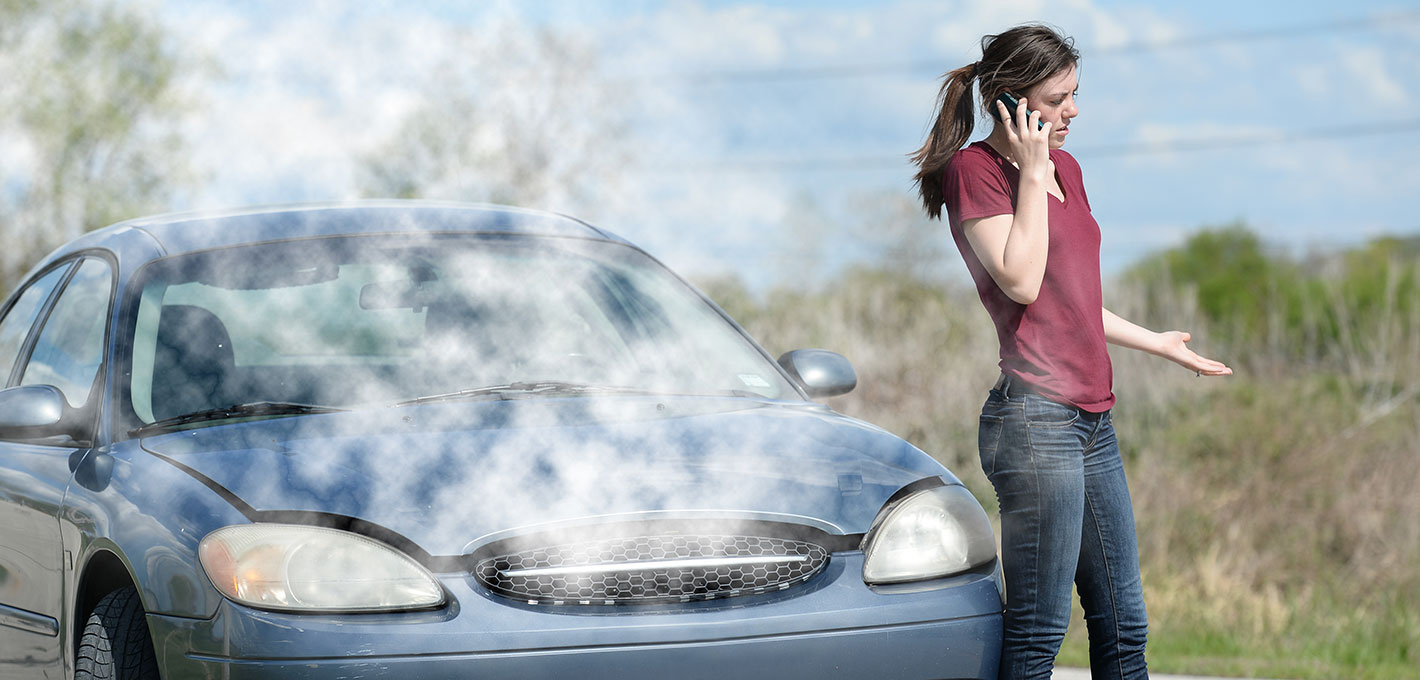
555,388
251,409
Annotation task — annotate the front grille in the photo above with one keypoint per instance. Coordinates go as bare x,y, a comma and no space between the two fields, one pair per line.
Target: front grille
651,569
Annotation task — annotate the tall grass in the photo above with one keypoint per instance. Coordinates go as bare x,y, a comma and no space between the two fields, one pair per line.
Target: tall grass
1278,517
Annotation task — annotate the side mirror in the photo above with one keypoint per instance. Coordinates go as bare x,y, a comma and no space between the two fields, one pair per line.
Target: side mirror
822,373
32,411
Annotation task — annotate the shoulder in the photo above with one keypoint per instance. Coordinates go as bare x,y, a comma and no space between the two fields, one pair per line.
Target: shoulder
974,155
976,184
1065,162
973,161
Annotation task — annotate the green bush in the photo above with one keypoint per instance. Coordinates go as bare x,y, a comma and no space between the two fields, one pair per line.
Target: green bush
1276,509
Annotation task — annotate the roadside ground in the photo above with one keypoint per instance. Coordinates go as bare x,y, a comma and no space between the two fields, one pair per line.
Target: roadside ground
1084,674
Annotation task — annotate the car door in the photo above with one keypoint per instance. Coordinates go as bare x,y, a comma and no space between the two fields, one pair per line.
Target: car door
63,346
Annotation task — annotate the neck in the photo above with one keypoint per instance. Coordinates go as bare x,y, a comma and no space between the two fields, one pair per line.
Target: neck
998,141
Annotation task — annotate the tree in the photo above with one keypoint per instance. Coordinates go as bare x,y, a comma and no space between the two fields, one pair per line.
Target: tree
1238,285
513,115
88,119
1357,308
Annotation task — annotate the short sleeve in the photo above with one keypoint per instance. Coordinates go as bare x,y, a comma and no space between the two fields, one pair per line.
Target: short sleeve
974,186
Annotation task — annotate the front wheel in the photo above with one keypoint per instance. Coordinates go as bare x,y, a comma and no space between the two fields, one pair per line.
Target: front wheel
115,644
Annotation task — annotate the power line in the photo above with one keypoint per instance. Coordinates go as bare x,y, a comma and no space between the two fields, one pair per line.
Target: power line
864,69
1245,140
873,162
1339,26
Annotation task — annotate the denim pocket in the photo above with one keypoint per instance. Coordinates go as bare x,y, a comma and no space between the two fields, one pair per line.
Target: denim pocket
1042,412
988,439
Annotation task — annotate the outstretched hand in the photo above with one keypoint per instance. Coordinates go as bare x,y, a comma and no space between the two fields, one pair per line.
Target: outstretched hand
1174,349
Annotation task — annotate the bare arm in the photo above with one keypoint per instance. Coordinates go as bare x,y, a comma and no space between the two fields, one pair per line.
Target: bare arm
1012,248
1168,344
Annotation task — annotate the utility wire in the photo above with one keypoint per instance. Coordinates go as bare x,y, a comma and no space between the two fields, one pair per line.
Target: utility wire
882,161
1220,142
767,75
1263,139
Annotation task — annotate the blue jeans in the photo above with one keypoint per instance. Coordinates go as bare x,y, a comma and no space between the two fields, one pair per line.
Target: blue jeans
1065,517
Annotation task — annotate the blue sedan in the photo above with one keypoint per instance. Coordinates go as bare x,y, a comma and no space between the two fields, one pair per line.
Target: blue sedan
425,440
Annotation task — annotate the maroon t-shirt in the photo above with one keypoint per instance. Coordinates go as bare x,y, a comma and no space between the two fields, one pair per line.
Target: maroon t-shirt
1055,344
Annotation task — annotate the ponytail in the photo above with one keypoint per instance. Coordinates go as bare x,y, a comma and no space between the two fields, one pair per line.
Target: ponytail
955,118
1012,61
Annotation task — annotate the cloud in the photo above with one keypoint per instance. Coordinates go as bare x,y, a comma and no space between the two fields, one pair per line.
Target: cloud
300,95
311,86
1369,67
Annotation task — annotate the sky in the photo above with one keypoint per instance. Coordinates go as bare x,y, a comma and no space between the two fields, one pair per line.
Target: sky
771,138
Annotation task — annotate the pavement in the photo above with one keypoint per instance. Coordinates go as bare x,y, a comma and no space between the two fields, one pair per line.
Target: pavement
1084,674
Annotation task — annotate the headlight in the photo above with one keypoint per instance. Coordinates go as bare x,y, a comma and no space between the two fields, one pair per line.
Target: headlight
927,534
305,568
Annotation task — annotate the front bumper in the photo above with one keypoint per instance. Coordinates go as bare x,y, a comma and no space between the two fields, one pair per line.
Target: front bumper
833,626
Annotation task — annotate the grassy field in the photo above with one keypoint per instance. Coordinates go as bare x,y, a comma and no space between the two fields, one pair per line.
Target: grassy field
1278,517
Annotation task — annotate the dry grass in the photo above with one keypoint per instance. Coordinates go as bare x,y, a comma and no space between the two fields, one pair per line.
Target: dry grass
1278,519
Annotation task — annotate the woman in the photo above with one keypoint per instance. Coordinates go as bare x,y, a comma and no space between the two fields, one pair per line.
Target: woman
1019,215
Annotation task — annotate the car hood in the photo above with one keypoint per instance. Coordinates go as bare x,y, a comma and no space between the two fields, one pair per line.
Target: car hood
451,477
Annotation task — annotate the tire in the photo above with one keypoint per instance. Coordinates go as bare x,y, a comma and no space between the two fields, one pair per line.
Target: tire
115,644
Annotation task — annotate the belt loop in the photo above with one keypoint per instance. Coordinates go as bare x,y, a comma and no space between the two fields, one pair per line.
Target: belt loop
1003,385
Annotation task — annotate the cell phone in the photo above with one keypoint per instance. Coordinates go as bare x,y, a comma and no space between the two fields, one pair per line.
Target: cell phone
1011,103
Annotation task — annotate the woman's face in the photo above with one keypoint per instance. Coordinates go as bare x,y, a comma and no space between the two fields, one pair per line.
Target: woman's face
1054,98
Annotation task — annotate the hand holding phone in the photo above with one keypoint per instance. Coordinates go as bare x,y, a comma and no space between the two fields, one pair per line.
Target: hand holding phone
1012,103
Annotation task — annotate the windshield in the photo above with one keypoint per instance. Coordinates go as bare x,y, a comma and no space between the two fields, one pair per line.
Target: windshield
360,321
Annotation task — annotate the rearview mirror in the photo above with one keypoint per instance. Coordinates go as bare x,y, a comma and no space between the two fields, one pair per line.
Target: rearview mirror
415,295
822,373
32,411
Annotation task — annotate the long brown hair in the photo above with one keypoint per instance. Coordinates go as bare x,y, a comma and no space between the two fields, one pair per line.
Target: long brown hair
1012,61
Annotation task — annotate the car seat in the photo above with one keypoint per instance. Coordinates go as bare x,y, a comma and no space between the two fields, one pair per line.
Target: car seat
193,364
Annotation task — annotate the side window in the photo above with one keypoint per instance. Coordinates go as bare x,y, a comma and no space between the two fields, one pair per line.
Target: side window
70,347
16,324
